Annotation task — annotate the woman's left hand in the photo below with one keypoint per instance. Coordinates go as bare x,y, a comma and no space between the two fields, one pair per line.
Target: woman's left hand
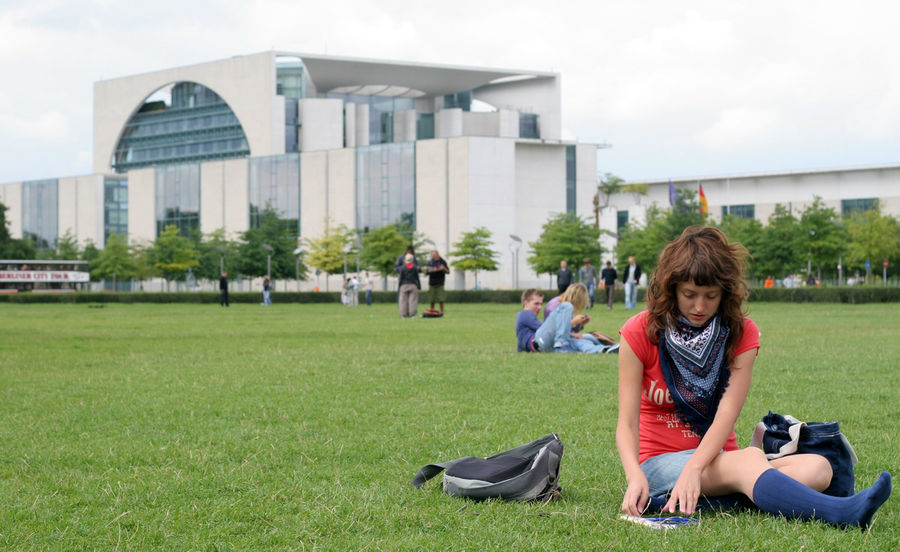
686,492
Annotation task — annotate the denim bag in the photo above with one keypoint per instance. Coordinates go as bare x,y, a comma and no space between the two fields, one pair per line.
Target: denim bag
779,436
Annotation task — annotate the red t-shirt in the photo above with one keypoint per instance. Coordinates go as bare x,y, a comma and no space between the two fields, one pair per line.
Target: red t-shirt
660,429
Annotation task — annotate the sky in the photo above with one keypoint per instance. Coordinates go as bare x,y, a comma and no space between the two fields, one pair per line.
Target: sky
678,89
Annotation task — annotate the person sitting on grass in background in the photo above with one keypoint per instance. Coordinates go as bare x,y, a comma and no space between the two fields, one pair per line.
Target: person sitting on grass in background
685,368
527,322
556,335
579,321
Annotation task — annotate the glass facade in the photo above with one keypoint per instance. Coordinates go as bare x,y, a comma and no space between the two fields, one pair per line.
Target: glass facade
741,211
115,206
528,125
381,113
178,198
275,185
290,79
385,185
194,125
570,179
424,126
462,100
621,220
850,206
40,212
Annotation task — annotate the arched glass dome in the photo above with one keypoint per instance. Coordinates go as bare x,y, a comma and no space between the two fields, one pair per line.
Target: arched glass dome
179,123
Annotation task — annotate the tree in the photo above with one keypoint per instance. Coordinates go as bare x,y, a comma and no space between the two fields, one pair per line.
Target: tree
608,186
406,227
12,248
873,237
644,241
564,237
114,262
780,250
749,233
210,255
821,235
473,252
253,257
67,247
685,212
172,255
380,248
326,252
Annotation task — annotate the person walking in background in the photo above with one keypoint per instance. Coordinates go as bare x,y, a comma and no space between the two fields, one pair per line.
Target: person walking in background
408,296
631,276
354,290
267,291
367,285
609,275
437,269
223,289
563,276
769,283
587,275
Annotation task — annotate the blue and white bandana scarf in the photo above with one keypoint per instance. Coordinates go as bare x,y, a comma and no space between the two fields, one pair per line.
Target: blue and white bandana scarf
692,359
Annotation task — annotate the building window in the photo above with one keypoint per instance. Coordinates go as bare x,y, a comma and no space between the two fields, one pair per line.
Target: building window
291,126
115,206
179,123
178,198
621,220
851,206
740,211
385,185
40,212
528,125
275,186
461,100
290,79
424,126
570,179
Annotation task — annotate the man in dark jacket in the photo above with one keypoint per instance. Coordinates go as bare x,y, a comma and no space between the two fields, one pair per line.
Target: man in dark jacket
223,290
437,269
563,277
609,275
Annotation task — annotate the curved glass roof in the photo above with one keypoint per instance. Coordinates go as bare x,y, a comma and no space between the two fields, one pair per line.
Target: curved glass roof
181,122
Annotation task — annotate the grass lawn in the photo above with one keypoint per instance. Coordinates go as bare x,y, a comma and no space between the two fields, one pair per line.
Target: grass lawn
299,427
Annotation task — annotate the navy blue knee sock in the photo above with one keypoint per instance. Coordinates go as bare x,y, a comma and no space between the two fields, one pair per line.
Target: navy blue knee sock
777,493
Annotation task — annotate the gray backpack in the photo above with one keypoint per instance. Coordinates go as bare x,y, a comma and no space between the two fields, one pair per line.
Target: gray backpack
527,472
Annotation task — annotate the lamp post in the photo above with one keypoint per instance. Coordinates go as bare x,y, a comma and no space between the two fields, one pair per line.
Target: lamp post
346,250
221,251
269,250
514,246
357,244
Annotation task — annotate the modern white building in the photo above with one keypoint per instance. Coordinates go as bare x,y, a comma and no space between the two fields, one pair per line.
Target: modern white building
755,195
321,138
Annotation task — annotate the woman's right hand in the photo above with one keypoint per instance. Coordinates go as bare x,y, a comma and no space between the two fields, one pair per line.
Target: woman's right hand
636,495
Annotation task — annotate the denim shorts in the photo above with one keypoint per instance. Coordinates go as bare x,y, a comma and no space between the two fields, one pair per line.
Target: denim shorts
663,470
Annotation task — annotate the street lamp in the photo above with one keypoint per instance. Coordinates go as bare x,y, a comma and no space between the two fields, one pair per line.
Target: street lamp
514,246
221,251
346,250
268,248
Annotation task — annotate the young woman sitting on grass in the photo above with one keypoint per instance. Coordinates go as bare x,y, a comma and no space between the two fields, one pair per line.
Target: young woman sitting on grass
685,367
557,335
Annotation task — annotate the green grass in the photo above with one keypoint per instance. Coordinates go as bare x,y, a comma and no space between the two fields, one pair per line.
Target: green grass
299,427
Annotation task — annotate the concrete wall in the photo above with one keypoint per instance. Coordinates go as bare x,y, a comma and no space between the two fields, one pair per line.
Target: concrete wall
327,190
321,124
142,205
224,196
448,123
541,96
246,83
80,210
11,197
539,192
492,182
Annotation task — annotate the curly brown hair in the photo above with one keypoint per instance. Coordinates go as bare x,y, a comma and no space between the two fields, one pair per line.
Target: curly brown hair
702,255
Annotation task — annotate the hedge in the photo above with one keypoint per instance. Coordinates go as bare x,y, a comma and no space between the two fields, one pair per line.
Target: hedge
862,294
